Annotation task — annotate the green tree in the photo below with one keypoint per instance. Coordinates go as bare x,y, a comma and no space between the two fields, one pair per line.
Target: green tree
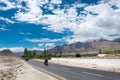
45,53
26,52
60,53
34,53
30,54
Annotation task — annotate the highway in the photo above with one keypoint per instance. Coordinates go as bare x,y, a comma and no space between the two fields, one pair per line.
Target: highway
74,73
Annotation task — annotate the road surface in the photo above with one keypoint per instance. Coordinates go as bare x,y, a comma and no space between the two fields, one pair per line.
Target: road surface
74,73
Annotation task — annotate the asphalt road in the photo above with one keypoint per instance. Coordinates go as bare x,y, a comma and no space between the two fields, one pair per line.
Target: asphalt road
74,73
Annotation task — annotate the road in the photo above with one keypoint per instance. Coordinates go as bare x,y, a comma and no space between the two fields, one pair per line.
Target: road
74,73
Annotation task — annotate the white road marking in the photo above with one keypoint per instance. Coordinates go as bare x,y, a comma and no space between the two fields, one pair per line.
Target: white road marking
94,74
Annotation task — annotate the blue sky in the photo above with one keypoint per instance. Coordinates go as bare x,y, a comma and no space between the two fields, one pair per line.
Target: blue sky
35,23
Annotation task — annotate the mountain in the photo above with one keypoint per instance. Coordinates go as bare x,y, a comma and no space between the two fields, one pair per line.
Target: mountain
116,40
7,52
86,47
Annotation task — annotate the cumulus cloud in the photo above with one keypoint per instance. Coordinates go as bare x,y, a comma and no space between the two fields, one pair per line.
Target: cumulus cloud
56,1
9,4
114,3
93,22
107,19
33,11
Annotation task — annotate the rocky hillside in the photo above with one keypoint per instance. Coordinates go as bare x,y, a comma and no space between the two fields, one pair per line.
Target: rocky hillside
91,46
7,52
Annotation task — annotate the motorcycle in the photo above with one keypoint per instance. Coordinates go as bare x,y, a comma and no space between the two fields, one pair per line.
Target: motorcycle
46,62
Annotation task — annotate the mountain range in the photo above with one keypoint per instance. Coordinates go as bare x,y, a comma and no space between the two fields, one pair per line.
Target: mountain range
88,47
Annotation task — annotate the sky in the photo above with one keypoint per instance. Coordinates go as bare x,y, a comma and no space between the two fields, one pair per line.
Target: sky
35,24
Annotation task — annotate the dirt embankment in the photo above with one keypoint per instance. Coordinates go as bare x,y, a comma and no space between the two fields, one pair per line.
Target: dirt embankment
17,69
9,68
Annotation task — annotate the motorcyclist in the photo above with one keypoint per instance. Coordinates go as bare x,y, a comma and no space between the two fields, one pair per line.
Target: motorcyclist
46,62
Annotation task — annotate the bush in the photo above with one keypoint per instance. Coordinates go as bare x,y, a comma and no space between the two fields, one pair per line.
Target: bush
49,56
64,55
54,55
100,51
40,56
117,51
105,52
78,54
24,56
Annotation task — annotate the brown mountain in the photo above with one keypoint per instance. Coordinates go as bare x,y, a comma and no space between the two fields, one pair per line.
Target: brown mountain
7,52
87,47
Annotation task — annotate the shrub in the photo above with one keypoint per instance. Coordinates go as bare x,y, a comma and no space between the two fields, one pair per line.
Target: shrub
105,52
100,51
78,54
117,51
24,56
40,56
49,56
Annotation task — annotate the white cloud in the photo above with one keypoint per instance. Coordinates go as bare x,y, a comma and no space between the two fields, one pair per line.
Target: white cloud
33,12
34,15
35,48
9,5
115,3
14,49
107,19
47,45
6,20
22,33
3,29
98,8
28,33
56,1
37,40
95,21
20,49
43,40
40,45
50,45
